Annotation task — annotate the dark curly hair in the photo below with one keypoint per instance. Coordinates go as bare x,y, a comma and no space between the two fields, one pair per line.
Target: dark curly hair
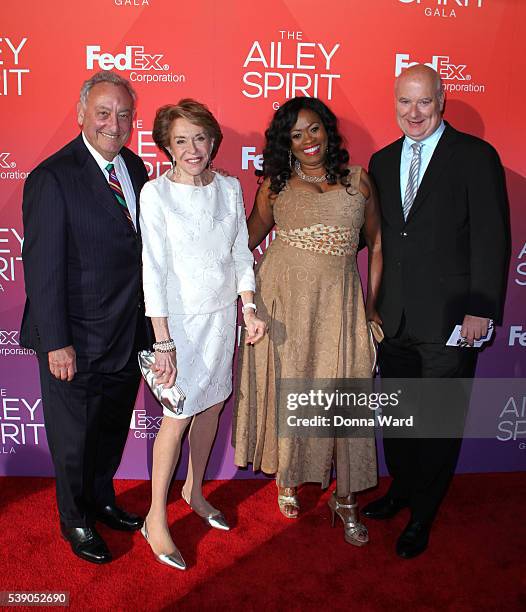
276,163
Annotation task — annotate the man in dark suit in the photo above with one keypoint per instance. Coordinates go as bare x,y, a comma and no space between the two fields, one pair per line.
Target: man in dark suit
84,312
444,242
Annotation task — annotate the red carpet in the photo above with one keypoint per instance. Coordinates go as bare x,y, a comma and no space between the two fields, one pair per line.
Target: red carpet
476,559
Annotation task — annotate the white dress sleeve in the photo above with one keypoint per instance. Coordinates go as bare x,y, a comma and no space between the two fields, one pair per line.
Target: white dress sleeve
243,258
155,266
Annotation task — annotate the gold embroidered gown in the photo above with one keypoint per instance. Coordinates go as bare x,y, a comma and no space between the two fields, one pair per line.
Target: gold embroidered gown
308,292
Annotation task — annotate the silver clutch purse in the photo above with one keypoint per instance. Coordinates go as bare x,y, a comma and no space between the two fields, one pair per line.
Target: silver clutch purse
173,398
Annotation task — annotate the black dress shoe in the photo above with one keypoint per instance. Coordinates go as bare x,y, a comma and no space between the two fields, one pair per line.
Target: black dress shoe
116,518
86,543
413,540
383,508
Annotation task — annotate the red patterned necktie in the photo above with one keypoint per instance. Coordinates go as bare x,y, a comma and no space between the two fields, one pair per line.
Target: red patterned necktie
118,192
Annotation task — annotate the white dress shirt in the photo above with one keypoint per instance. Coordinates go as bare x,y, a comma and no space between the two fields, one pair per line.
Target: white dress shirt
196,258
426,154
122,174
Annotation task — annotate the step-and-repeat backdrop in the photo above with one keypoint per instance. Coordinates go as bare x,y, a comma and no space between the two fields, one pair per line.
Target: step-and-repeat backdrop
244,59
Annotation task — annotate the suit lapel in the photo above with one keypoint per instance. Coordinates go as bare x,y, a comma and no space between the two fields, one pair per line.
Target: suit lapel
441,156
133,175
135,184
393,183
95,182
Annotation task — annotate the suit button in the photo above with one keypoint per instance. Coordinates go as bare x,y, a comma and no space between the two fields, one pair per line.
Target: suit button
403,234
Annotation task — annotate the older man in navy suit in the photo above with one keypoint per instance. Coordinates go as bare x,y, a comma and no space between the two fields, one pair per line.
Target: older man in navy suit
84,313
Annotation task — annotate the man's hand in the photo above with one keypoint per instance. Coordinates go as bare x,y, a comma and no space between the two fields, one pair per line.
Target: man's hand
474,328
63,363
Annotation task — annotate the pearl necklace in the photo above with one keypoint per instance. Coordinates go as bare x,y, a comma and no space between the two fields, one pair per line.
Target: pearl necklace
306,177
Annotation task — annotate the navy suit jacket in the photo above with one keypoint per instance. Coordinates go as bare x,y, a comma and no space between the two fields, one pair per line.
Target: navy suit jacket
450,257
82,261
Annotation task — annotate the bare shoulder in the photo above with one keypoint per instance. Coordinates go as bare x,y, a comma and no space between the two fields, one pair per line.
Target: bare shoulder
361,180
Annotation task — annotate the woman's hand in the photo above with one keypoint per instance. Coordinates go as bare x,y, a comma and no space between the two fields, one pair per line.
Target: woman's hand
254,327
371,314
165,368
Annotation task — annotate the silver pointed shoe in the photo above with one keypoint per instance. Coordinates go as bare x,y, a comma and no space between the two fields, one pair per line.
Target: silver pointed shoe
174,559
217,520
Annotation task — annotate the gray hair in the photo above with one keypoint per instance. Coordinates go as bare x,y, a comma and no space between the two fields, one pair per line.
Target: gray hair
105,76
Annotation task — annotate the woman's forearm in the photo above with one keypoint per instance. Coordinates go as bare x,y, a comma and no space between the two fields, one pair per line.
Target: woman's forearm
160,328
247,297
375,264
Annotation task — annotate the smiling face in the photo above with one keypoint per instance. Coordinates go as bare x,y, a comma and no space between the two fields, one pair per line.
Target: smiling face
190,146
419,102
308,139
106,119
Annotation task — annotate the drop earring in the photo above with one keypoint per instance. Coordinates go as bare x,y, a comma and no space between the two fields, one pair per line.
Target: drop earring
176,173
290,159
175,170
210,164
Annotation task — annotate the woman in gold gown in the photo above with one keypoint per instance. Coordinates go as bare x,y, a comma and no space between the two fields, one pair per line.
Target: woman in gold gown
309,294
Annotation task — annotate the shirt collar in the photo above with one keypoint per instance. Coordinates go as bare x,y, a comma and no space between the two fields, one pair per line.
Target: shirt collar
430,142
101,162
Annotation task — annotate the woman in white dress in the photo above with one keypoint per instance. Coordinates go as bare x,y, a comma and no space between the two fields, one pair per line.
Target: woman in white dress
196,261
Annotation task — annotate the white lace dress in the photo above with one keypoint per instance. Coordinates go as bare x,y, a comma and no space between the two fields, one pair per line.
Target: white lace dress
196,261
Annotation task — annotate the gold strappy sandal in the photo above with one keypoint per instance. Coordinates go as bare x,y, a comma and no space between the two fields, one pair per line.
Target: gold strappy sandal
354,532
288,502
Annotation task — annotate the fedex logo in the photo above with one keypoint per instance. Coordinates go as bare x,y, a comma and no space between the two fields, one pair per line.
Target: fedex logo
141,420
517,335
4,161
8,337
249,156
446,69
133,58
145,426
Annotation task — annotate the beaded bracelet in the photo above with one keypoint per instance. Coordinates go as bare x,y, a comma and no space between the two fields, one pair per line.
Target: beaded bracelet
164,346
165,350
245,307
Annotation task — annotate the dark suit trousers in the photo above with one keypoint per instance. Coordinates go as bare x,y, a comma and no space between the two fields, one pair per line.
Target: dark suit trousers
87,422
422,469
